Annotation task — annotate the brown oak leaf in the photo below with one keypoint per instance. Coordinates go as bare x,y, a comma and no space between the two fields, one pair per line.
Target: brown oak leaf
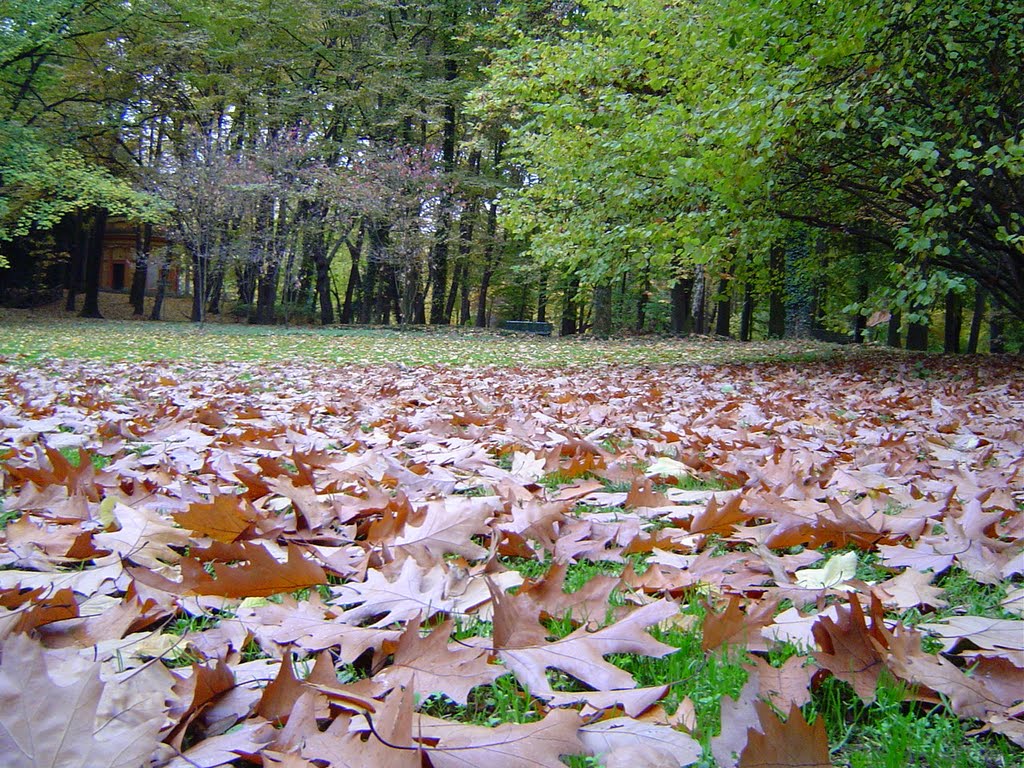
784,744
851,650
736,714
734,626
513,745
224,518
615,738
400,596
786,685
46,724
434,665
255,572
523,647
968,696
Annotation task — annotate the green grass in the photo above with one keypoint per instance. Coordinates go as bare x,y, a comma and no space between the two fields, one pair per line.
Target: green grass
31,340
504,701
7,515
892,733
704,678
964,595
707,483
73,457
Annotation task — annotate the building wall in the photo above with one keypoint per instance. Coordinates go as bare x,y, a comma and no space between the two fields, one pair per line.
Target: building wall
118,266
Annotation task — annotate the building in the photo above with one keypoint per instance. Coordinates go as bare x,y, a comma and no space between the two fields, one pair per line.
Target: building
118,266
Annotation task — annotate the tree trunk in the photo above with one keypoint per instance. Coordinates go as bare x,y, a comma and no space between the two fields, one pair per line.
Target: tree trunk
337,298
355,251
860,323
245,282
980,296
348,308
394,298
266,297
682,296
643,298
161,288
996,342
137,296
917,337
316,256
602,310
542,297
776,298
747,315
724,319
799,299
371,288
439,263
466,226
200,262
570,324
453,291
323,291
464,304
79,250
367,291
699,302
893,334
93,265
490,249
215,291
954,321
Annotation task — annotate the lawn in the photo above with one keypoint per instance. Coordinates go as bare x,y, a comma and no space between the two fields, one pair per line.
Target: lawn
30,338
311,547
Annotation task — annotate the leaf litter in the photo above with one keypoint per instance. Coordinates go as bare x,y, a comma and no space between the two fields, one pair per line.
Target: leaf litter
286,563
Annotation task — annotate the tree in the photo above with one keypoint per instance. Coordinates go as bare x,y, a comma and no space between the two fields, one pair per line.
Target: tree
56,116
701,129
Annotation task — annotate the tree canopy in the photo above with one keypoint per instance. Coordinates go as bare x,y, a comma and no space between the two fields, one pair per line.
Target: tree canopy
698,127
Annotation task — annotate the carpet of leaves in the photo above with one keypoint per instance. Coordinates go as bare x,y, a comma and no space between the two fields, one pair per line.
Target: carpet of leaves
278,564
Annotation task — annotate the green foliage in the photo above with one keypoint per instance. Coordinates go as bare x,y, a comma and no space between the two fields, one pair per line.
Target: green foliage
42,185
687,130
60,81
7,515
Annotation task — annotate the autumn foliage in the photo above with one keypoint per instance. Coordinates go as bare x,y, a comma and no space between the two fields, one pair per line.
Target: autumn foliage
221,564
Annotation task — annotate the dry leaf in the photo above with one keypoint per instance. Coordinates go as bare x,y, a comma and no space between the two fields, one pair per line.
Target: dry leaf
43,724
785,744
611,739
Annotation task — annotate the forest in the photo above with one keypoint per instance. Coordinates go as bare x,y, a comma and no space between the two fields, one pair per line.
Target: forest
747,169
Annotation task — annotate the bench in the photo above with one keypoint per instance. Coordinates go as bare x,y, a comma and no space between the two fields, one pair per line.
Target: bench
527,326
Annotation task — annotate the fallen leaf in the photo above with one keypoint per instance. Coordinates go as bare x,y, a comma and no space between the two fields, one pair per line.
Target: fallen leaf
432,666
581,654
785,744
45,724
850,649
736,714
224,518
529,745
616,737
836,571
